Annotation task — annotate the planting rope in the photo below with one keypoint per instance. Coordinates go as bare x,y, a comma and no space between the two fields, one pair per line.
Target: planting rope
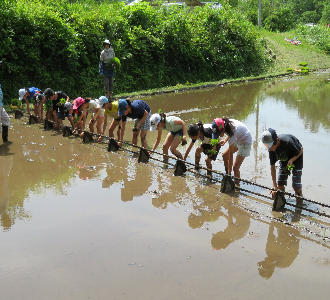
200,167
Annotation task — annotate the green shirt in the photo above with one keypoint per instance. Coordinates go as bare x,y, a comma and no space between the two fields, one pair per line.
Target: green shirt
170,124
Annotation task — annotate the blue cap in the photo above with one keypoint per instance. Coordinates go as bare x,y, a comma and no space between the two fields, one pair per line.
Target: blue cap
103,100
122,107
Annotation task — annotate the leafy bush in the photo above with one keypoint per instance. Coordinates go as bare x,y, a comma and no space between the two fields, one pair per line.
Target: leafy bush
15,102
316,35
280,20
57,45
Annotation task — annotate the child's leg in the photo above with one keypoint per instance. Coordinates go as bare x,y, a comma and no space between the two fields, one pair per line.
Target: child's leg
236,167
27,105
98,127
112,128
91,126
175,143
198,153
168,141
135,137
35,110
144,142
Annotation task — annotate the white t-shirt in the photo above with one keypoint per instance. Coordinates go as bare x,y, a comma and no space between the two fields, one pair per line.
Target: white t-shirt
93,106
241,135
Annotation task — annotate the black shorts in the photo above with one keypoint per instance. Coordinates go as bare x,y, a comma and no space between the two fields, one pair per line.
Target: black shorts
207,147
61,115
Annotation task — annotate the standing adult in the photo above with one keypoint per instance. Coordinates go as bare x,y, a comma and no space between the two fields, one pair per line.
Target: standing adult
106,69
288,150
4,119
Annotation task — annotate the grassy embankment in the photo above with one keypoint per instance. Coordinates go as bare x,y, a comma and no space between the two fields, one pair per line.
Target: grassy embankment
287,56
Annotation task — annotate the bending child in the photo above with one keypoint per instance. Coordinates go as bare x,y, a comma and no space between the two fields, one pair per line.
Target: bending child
239,140
112,111
141,112
288,150
176,128
202,132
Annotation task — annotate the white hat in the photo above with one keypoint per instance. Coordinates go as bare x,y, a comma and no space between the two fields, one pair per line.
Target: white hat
154,121
106,42
102,100
21,94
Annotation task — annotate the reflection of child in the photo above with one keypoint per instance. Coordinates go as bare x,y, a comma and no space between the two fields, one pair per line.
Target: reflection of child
202,132
176,128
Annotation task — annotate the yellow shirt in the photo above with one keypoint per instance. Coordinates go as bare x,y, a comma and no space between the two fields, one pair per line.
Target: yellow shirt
114,110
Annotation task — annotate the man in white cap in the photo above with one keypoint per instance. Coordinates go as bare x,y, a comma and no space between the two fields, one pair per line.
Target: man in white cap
288,150
106,70
4,119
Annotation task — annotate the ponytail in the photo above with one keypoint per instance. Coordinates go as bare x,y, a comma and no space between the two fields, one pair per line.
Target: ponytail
229,127
163,117
194,129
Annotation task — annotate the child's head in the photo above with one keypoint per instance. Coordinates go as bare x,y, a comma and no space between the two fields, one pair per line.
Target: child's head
218,128
21,93
78,103
85,104
103,102
49,94
194,130
123,106
154,122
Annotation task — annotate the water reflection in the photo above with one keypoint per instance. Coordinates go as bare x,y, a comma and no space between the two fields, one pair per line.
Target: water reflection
282,248
6,163
308,95
233,221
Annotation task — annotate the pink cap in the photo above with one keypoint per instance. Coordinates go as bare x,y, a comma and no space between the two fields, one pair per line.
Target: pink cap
78,102
220,123
217,126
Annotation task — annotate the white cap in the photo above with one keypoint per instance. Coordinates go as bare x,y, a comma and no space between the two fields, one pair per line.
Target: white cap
21,94
106,42
154,121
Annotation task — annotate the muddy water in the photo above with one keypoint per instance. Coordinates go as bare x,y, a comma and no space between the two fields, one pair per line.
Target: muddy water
81,223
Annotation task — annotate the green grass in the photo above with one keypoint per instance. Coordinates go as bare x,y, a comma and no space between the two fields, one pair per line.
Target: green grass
287,56
290,56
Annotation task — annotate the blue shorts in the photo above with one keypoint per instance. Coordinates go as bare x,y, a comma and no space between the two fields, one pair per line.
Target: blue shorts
177,133
282,178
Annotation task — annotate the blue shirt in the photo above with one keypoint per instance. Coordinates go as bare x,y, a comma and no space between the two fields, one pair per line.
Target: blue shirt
138,108
32,91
